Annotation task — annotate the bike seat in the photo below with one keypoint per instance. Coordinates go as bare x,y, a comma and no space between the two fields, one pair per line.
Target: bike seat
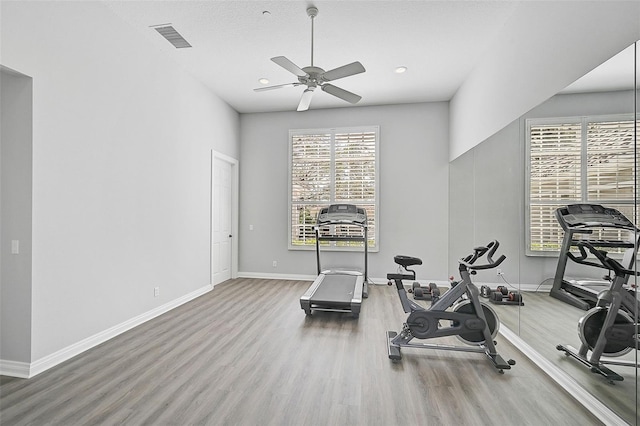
405,261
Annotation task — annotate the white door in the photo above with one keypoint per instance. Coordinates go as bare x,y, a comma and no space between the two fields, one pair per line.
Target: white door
221,228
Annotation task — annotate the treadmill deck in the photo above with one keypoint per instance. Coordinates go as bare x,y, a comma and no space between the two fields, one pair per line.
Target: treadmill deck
335,291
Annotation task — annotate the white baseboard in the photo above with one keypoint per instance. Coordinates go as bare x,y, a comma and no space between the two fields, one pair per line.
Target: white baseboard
26,370
274,276
296,277
524,287
14,369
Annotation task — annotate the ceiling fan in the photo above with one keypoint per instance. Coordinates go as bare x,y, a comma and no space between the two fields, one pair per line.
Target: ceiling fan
314,77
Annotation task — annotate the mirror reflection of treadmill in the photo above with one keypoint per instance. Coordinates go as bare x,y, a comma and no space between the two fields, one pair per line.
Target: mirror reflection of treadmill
338,290
581,220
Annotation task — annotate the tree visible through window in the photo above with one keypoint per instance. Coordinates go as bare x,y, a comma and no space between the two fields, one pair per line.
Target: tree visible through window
578,160
332,166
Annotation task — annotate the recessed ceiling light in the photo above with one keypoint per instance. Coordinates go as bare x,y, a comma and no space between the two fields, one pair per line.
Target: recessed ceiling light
264,81
400,70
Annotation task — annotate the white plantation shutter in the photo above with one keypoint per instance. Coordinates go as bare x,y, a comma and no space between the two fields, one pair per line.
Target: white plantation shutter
546,233
332,166
355,167
554,179
555,162
311,167
610,160
310,183
577,160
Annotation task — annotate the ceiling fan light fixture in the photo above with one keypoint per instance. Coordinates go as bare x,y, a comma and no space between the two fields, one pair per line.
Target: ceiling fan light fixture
400,70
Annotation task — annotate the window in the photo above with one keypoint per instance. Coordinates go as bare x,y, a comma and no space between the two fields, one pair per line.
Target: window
330,166
577,160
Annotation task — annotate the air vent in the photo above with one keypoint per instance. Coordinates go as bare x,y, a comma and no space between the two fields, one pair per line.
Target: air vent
170,33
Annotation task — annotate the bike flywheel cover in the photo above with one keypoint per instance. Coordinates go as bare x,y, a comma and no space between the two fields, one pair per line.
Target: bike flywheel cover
590,327
422,324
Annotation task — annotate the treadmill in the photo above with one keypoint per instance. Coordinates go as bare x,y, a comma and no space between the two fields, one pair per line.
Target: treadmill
338,290
578,220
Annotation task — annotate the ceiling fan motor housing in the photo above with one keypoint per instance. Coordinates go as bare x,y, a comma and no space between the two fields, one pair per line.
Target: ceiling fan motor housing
314,76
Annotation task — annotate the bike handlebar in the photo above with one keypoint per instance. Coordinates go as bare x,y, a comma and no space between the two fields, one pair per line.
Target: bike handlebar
478,252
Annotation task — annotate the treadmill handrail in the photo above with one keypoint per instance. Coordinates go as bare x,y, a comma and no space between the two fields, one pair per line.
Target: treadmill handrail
340,238
341,222
606,262
359,219
604,243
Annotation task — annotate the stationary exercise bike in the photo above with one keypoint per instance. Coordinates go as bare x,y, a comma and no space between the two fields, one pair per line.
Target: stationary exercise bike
607,329
473,322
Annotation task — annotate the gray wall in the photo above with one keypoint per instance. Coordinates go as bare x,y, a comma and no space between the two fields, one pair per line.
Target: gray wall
487,184
16,208
122,141
413,188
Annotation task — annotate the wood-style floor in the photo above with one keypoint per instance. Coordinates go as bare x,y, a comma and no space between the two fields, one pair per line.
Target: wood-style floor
544,322
246,354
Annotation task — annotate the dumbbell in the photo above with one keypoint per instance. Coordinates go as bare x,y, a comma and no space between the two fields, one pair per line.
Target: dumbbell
504,293
485,291
432,292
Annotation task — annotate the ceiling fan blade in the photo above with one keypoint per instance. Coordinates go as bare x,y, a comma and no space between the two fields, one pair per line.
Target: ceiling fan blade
343,71
341,93
279,86
305,100
289,66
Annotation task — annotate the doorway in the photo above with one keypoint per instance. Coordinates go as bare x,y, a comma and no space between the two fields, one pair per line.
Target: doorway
224,218
16,222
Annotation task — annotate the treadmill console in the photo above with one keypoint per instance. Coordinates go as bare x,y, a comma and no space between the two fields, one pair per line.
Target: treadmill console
342,213
590,216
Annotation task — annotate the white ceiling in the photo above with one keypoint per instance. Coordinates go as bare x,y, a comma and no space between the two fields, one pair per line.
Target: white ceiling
615,74
438,41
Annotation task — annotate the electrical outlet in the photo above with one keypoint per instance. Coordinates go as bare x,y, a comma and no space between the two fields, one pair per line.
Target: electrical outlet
275,263
156,291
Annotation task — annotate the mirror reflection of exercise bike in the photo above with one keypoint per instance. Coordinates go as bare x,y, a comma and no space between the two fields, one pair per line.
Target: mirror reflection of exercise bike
607,329
472,321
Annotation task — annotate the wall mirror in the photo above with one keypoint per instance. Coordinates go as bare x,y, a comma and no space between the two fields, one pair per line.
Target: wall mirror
578,147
